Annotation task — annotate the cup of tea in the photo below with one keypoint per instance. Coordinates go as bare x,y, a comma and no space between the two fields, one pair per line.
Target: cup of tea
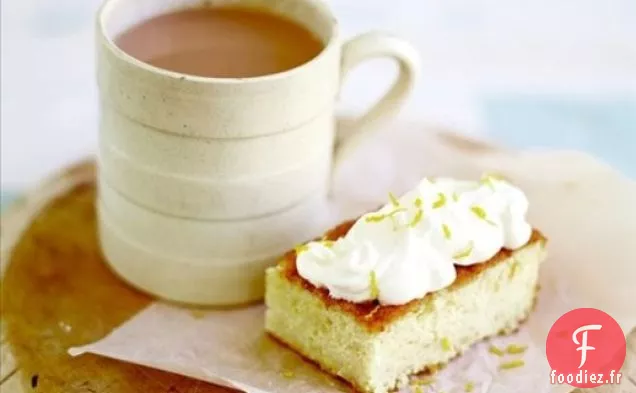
217,136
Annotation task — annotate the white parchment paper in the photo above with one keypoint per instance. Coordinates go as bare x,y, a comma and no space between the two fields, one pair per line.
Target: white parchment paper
584,207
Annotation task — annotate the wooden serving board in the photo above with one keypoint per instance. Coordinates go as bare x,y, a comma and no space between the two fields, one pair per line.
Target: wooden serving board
58,293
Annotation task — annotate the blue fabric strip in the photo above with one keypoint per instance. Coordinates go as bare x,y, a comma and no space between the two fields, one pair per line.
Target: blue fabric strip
605,127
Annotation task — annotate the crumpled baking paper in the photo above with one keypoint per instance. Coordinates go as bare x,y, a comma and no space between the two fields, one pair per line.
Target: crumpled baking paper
584,207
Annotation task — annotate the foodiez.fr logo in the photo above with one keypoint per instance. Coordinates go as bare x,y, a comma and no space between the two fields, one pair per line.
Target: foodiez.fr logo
586,348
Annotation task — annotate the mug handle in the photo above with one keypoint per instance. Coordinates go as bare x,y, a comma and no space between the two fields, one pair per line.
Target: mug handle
352,132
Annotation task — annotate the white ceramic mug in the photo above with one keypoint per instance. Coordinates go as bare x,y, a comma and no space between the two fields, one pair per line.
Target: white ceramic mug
206,181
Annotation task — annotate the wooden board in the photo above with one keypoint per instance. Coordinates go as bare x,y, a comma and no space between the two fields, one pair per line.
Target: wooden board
57,293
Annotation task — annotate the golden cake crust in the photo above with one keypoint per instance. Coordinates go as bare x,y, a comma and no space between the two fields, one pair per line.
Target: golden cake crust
371,314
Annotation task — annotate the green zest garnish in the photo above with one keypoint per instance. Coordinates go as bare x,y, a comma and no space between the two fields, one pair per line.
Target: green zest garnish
418,202
465,252
328,243
495,351
446,344
490,178
418,389
380,217
493,176
455,197
376,218
469,387
288,374
394,200
301,248
479,212
514,349
447,231
373,283
512,364
417,218
440,202
488,182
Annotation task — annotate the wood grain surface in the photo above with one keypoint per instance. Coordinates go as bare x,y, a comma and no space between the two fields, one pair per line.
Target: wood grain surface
58,293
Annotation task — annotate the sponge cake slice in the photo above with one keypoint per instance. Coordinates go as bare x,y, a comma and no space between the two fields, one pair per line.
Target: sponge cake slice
377,347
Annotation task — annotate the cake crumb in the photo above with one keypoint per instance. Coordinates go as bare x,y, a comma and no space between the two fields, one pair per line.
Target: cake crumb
469,387
511,364
446,344
495,351
515,349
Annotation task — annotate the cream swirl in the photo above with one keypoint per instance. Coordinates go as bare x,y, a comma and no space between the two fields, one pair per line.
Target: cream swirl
410,246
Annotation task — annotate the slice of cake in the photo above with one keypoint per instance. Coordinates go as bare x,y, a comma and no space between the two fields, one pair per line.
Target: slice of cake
406,288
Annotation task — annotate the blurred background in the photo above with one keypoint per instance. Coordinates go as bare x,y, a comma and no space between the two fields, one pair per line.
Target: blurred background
541,73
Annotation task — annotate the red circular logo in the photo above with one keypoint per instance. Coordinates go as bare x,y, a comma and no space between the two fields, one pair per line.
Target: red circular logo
586,348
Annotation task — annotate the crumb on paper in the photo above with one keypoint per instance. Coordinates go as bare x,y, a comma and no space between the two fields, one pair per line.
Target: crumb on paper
423,382
515,349
34,381
287,374
511,364
66,328
495,351
446,344
197,314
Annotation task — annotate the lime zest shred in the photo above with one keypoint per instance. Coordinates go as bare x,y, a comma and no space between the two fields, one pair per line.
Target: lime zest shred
417,218
512,364
440,202
493,176
394,200
465,252
301,248
375,218
447,231
469,387
287,374
479,212
381,217
515,349
328,243
418,202
396,211
495,351
446,344
487,181
455,197
373,284
418,389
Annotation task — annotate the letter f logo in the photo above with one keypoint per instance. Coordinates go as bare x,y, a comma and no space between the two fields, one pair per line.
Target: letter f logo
583,344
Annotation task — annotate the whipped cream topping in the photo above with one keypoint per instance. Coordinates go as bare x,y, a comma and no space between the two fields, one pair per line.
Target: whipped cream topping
411,245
